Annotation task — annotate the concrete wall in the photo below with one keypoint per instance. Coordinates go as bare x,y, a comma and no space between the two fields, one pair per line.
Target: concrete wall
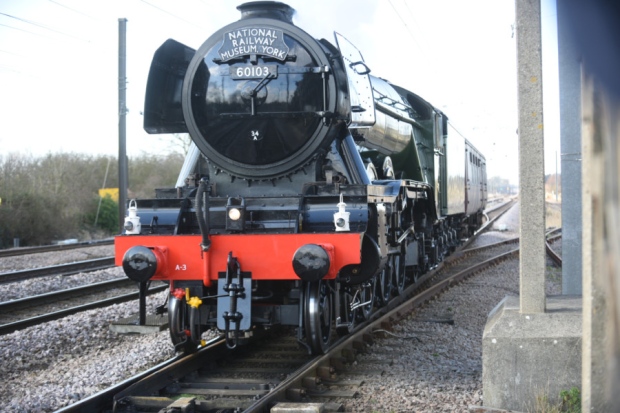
530,356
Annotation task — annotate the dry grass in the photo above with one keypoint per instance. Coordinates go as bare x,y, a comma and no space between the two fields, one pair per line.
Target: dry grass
553,215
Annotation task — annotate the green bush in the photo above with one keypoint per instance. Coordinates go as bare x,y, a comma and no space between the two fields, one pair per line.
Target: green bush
56,196
106,217
571,400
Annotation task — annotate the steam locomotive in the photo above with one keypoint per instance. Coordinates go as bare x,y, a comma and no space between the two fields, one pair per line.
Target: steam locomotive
313,191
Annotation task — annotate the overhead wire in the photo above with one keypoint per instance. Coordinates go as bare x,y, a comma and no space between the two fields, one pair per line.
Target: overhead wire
456,130
171,14
50,28
429,61
414,20
21,30
74,10
40,25
400,17
40,33
8,69
14,54
4,68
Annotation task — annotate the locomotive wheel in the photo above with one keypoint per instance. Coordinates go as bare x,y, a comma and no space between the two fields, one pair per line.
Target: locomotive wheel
346,300
398,274
178,322
413,275
385,284
367,294
318,315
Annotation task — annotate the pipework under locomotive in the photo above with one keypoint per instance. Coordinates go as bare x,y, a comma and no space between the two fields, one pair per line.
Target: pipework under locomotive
313,192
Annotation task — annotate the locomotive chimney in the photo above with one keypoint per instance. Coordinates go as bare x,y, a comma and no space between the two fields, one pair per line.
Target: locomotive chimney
268,9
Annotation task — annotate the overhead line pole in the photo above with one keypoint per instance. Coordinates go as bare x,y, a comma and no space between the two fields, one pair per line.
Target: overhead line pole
531,160
122,125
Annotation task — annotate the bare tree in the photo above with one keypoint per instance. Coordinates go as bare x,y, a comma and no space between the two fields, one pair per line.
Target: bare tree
56,196
177,142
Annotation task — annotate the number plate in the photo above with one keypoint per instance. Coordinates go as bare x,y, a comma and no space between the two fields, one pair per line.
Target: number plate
253,72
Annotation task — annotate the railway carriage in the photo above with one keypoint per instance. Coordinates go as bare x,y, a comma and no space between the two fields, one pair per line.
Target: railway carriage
313,191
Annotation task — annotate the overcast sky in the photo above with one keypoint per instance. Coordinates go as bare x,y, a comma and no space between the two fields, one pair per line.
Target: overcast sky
59,65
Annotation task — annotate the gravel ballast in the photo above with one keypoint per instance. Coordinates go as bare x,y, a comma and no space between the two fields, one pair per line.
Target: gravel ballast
436,366
49,366
46,259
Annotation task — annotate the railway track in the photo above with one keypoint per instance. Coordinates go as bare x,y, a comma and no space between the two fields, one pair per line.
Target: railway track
19,314
492,214
28,311
552,236
256,378
11,252
61,269
221,382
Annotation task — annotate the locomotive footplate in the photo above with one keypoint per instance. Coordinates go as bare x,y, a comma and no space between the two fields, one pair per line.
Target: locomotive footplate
234,305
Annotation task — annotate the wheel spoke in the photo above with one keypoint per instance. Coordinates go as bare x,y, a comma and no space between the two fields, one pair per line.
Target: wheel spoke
318,316
367,296
398,274
348,314
385,284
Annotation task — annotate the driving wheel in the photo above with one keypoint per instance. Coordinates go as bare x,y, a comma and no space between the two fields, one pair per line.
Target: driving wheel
398,274
318,315
385,284
178,322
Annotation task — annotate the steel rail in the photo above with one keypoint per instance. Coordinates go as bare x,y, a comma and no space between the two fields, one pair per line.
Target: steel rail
174,368
62,269
11,252
60,295
495,244
550,237
496,213
352,342
18,325
553,255
105,398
